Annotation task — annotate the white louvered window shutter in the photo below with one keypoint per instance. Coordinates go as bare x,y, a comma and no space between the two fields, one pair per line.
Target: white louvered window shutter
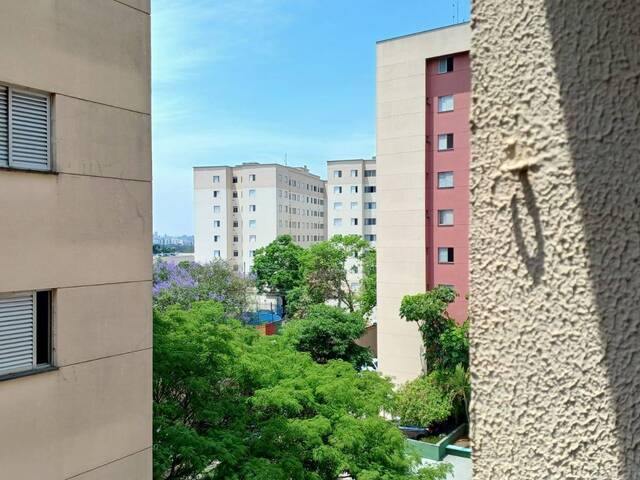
17,332
29,130
4,126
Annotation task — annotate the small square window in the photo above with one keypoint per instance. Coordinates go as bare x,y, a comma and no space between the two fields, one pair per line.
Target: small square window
445,103
235,253
337,189
445,141
235,209
354,173
354,221
370,237
354,205
235,238
234,179
252,224
252,177
337,174
252,208
354,189
216,193
216,209
445,179
216,179
370,205
337,205
235,224
216,238
445,217
216,223
370,189
369,221
252,238
252,253
445,255
337,222
216,253
234,194
445,65
252,193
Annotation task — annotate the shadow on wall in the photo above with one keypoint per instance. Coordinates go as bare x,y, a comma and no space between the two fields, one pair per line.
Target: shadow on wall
596,45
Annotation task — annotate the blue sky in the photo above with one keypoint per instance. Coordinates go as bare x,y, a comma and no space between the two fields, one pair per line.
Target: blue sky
252,80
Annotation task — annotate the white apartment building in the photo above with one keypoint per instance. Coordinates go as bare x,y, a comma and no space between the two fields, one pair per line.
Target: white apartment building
240,209
351,205
351,198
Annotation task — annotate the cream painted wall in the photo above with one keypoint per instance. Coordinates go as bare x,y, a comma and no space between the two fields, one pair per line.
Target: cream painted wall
83,230
555,240
401,157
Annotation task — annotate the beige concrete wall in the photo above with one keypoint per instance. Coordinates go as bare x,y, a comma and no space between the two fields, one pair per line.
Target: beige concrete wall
83,231
555,240
401,168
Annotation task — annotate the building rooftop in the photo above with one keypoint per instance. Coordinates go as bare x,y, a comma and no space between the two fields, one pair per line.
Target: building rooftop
422,32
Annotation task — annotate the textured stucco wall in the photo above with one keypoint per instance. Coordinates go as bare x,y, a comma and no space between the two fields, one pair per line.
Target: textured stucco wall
555,239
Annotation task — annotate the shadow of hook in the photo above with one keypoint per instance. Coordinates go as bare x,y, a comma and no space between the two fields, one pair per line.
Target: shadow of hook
534,263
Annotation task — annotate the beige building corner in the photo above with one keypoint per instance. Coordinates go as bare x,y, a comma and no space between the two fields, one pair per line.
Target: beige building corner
401,187
555,242
75,248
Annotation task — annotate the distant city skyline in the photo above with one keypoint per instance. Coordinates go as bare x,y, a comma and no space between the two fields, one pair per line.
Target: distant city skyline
276,78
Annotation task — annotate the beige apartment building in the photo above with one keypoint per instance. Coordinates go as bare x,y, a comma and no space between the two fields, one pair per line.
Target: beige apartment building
351,198
75,249
403,146
240,209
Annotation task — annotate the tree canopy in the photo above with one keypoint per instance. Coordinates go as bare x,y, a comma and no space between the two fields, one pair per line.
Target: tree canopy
277,267
330,333
229,404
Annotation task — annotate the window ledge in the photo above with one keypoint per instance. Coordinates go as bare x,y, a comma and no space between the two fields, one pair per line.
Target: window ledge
27,373
14,169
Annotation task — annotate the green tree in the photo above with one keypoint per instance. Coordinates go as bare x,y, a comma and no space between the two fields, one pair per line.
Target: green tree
458,384
330,333
231,405
277,267
325,266
368,286
429,311
423,402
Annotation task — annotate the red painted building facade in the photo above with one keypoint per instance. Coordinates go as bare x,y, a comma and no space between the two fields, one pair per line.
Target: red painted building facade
448,92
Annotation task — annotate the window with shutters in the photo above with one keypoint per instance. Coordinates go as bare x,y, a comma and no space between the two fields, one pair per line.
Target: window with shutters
25,331
24,129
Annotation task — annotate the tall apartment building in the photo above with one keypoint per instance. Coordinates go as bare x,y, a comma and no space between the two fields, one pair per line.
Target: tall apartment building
240,209
351,198
75,249
423,154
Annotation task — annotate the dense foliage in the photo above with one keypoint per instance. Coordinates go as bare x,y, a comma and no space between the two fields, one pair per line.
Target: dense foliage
229,404
330,333
423,402
186,283
429,310
277,267
446,353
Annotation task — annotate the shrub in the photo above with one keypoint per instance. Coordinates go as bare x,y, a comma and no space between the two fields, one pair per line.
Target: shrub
423,402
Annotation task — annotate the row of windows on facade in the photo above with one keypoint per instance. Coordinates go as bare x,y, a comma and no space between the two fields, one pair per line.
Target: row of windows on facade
288,223
281,193
287,180
354,205
337,222
354,173
354,189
